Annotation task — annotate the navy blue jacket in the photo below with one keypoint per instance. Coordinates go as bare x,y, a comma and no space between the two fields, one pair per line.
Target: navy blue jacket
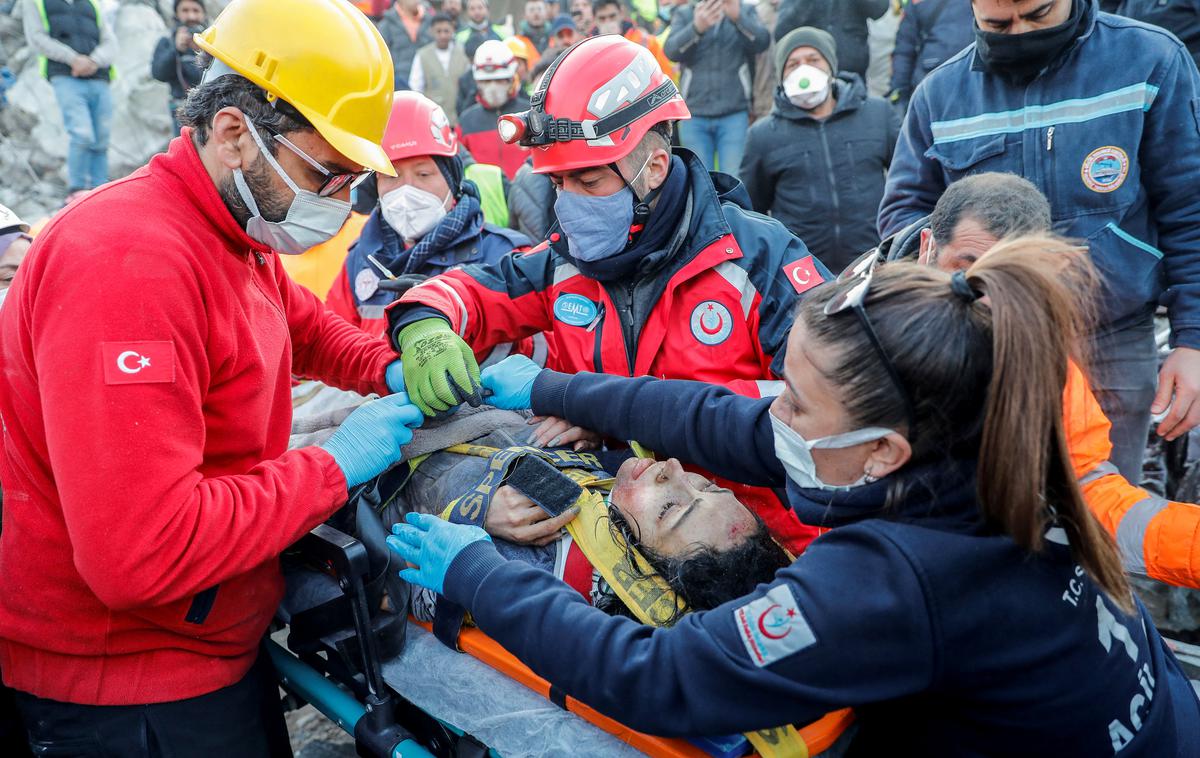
946,637
930,32
475,245
1109,132
1180,17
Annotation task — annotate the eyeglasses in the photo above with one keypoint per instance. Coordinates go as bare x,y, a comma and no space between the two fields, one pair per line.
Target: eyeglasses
853,297
334,182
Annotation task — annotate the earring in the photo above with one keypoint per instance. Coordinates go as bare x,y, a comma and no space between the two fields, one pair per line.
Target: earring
869,478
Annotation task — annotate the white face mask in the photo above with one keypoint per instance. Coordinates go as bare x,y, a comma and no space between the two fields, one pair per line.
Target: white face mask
411,211
795,452
807,86
310,219
494,94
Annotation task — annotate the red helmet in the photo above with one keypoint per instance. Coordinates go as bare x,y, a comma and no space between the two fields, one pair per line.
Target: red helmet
594,105
417,126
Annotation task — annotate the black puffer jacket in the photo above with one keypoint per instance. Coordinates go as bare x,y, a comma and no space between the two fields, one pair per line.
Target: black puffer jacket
823,179
531,203
846,20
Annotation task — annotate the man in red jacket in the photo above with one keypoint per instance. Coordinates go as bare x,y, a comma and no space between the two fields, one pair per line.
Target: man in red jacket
146,353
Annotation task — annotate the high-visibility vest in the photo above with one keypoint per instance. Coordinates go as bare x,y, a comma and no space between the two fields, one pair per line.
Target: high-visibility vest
44,62
489,180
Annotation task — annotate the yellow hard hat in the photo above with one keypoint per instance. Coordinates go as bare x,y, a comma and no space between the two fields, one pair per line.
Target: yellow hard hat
322,57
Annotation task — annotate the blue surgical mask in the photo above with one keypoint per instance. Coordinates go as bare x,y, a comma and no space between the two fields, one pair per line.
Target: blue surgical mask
795,452
310,219
597,227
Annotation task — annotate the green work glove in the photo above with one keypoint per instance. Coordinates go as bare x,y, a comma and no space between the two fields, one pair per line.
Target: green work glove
440,371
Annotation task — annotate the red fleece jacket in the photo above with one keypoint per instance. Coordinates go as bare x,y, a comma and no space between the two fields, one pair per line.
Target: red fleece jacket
146,350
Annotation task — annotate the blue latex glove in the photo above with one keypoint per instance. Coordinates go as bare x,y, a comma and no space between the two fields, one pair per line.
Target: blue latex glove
369,440
394,376
431,544
511,382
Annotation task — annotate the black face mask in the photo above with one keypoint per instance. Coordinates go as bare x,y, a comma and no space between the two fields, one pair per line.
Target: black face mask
1021,57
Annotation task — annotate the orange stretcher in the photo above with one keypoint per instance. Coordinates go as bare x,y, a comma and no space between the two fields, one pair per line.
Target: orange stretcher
818,736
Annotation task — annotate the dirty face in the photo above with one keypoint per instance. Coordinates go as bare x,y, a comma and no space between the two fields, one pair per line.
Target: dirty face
671,511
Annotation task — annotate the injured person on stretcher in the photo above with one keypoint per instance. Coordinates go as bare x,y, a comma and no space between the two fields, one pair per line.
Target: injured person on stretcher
695,534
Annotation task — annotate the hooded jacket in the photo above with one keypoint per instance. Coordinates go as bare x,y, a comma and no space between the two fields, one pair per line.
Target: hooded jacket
1109,132
943,634
823,178
145,385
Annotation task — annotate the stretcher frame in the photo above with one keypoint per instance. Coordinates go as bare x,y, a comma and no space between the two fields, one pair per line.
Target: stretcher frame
386,725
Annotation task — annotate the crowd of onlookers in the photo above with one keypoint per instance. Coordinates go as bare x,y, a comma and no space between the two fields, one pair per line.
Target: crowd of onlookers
790,114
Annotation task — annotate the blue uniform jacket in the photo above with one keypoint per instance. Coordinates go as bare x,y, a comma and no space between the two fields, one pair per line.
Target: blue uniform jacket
1110,132
475,245
946,637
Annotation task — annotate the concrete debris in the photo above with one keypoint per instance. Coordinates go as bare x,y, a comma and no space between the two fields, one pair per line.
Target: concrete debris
33,143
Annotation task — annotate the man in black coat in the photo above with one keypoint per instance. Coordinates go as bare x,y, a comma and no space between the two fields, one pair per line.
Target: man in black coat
817,162
174,60
846,20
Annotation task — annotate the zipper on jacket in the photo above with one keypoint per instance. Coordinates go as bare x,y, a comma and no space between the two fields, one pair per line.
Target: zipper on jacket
259,257
1050,139
598,345
833,195
625,316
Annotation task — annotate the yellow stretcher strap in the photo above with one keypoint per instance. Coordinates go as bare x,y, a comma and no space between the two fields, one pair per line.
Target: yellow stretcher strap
627,572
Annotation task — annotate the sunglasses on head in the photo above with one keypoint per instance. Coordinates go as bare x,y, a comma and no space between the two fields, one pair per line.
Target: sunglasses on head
856,281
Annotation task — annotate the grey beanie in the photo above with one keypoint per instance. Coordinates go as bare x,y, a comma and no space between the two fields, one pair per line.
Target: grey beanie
806,36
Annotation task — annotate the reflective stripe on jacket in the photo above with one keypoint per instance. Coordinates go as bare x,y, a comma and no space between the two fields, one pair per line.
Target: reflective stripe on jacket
1157,537
722,317
1110,133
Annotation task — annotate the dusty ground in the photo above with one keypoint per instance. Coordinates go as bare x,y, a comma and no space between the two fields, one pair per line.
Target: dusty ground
314,736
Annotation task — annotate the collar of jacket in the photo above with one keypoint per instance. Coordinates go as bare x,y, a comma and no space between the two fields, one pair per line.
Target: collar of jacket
708,190
182,162
848,90
940,495
1089,25
380,240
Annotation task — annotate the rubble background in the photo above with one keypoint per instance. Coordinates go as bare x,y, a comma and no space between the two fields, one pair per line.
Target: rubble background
33,143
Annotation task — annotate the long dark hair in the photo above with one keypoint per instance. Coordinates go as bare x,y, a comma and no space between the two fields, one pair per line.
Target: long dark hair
986,377
702,577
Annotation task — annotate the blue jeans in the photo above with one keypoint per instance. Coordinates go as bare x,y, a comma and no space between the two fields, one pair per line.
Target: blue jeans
1124,374
723,136
86,106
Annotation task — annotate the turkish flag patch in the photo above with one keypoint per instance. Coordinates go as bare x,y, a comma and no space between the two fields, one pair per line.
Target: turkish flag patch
803,274
138,362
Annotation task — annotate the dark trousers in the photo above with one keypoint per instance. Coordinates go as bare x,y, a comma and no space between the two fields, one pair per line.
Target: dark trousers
243,719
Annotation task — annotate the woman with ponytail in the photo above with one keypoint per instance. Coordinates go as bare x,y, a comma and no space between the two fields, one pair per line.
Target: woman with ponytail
965,601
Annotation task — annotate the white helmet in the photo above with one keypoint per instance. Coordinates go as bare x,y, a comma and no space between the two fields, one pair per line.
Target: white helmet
494,60
11,222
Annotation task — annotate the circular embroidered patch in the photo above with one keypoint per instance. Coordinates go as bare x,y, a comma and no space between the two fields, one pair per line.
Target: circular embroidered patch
712,323
1105,168
365,284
